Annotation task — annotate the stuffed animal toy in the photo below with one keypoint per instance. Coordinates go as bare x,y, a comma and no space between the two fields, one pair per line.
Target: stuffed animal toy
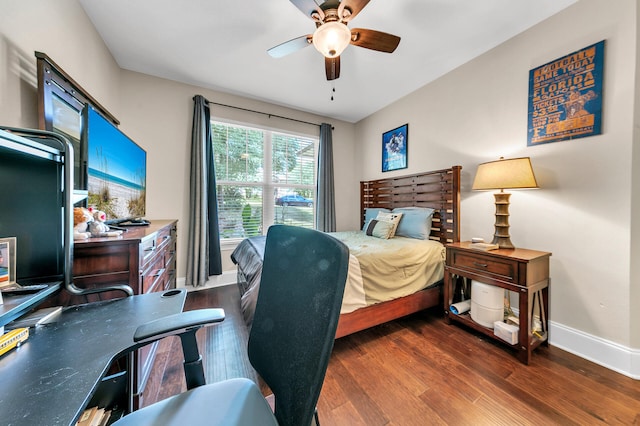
81,219
100,229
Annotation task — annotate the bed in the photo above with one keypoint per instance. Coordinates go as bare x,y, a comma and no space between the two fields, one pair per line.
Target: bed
421,288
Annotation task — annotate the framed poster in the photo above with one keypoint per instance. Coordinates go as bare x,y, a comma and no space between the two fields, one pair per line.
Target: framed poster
565,97
7,261
394,148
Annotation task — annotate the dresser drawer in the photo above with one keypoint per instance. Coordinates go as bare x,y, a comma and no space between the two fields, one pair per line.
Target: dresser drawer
93,261
152,276
164,237
147,249
481,264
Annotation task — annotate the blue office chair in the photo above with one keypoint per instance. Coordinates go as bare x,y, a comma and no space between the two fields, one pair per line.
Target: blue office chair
290,342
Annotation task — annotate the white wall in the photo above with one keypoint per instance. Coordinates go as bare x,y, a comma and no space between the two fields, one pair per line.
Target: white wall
634,294
157,113
62,30
582,212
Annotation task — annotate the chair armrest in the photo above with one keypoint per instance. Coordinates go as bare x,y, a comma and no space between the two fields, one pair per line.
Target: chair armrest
176,324
184,324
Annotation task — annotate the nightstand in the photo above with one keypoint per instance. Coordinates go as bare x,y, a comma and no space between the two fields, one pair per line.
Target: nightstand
523,271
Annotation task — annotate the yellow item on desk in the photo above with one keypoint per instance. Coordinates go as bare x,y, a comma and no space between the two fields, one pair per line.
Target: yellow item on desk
12,339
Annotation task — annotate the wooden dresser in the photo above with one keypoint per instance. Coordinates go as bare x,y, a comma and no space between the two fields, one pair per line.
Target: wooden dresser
143,257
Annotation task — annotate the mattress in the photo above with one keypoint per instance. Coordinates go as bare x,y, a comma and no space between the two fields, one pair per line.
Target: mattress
379,270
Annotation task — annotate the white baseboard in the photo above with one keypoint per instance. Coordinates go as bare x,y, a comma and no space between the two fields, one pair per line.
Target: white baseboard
608,354
603,352
227,278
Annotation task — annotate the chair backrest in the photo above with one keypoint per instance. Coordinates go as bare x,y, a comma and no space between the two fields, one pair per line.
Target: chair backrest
303,278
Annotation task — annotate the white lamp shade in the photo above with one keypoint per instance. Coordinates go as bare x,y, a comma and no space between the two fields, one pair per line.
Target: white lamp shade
331,39
512,173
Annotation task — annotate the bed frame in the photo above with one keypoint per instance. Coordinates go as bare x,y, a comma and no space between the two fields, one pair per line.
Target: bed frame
439,190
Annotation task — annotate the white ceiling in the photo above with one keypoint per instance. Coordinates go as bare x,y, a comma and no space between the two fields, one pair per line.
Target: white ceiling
222,45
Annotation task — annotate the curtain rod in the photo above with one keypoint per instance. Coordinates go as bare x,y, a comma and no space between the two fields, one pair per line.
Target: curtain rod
263,113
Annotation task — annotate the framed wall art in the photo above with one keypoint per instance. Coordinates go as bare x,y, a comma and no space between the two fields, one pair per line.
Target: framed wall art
7,261
394,148
565,97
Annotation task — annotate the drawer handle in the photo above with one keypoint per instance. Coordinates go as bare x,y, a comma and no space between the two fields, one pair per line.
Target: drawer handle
481,265
150,249
166,237
157,272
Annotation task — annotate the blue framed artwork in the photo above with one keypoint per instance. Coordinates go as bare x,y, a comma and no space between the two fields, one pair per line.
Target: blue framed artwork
394,148
565,97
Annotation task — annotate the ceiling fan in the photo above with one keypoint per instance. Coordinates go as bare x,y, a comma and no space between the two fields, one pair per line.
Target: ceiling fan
332,35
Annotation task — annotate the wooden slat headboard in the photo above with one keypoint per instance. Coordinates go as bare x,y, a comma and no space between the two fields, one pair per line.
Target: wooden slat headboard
439,190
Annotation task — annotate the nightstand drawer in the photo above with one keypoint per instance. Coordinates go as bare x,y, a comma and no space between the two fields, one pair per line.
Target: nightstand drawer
482,264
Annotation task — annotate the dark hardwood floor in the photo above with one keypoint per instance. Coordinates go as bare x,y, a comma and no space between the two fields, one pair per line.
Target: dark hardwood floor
421,371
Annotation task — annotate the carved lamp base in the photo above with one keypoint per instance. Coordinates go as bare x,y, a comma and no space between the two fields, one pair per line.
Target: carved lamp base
501,235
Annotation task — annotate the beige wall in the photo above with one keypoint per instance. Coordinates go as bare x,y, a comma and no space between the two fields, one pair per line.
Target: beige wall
582,213
62,30
157,113
634,293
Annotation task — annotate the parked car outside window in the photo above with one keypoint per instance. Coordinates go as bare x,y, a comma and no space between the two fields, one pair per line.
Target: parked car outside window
294,200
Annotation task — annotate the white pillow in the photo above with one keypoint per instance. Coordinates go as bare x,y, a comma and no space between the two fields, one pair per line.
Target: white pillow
379,229
394,218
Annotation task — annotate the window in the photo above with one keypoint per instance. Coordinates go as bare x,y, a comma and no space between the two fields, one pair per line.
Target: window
263,177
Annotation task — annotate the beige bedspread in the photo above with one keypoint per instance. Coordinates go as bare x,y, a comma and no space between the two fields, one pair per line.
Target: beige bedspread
382,270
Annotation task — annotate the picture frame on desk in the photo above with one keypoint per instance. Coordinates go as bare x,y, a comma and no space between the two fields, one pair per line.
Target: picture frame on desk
7,261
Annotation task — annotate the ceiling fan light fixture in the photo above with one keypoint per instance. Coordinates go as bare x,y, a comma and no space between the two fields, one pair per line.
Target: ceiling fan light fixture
331,38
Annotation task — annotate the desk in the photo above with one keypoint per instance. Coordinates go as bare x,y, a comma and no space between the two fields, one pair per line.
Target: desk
50,379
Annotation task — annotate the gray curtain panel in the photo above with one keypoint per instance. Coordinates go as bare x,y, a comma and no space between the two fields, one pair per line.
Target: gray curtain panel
325,200
203,245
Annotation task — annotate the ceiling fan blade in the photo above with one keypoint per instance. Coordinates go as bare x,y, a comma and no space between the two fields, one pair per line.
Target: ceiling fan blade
307,7
355,6
290,46
332,68
374,40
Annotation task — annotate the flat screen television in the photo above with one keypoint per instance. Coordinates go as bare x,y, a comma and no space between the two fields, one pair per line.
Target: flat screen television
116,169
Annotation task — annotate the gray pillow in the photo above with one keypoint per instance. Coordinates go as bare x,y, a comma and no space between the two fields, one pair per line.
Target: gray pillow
372,213
415,222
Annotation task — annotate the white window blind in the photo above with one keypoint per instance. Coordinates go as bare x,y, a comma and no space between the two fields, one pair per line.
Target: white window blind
263,177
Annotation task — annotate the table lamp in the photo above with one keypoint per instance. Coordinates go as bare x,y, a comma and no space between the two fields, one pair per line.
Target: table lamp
514,173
